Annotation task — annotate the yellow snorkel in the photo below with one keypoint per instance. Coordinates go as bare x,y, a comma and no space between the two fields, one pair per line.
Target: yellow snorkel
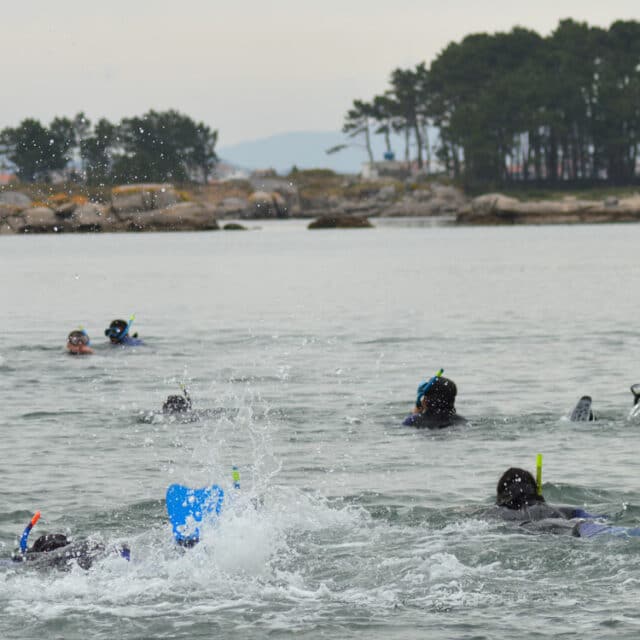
539,474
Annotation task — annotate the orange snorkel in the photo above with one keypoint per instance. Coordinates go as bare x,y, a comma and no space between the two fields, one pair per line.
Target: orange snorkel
27,531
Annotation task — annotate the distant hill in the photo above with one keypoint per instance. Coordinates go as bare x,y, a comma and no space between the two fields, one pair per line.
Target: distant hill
305,150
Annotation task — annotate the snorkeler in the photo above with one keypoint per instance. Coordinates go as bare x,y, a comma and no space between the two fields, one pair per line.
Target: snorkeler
119,333
56,550
519,498
78,343
435,405
177,404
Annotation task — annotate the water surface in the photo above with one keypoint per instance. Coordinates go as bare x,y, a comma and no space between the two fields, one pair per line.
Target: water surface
304,349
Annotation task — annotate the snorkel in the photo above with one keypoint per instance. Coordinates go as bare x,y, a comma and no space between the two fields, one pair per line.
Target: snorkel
125,333
539,474
425,386
183,388
84,333
25,534
114,334
235,475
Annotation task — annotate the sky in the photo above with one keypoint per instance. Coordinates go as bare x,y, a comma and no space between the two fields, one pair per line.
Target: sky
249,68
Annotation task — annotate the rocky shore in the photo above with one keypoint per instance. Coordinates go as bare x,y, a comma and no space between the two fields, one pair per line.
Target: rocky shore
132,208
499,209
334,200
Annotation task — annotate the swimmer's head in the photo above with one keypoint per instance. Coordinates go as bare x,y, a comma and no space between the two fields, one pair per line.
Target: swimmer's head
440,397
176,404
49,542
78,338
517,489
115,331
78,342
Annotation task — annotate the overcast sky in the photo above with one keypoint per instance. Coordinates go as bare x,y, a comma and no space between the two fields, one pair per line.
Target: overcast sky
250,68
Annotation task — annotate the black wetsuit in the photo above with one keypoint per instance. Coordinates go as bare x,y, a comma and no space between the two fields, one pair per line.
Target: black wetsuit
83,553
543,517
433,420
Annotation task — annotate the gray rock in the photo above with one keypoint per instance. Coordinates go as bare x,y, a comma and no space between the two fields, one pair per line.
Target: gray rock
495,208
184,216
387,193
447,192
421,195
268,205
234,206
40,220
91,217
65,210
132,198
15,199
340,222
408,207
234,226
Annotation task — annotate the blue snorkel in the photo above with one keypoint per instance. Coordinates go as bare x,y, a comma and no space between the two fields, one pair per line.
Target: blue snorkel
425,386
84,333
125,331
119,336
24,538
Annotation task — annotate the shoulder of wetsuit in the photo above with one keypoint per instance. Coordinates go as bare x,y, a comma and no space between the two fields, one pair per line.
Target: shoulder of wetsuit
435,421
545,511
550,525
83,552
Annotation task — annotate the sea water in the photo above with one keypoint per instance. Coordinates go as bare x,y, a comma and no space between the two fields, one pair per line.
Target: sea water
302,352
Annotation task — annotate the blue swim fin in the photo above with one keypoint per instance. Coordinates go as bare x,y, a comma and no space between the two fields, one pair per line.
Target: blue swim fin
188,508
592,529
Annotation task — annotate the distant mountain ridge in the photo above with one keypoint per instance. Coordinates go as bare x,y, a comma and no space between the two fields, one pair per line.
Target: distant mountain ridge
305,150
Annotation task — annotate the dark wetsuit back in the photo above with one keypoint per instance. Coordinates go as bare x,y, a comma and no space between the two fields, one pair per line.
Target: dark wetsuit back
433,420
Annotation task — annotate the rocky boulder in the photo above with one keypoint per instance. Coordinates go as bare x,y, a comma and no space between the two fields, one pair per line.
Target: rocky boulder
15,199
496,208
234,207
184,216
234,226
340,222
92,217
268,205
40,220
132,198
65,210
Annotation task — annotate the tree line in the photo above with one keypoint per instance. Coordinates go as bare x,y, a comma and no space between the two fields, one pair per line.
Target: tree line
518,107
155,147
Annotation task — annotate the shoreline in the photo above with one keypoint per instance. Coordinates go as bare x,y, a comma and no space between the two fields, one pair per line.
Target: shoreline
347,201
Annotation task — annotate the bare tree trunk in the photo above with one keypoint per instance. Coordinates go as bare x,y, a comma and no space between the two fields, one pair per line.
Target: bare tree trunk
367,137
407,159
427,146
416,128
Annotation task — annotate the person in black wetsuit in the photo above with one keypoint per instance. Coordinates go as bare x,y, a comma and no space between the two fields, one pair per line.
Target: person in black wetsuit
56,550
119,333
518,500
435,405
177,404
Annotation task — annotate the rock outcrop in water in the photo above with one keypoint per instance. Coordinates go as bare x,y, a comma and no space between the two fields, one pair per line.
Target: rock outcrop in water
340,222
497,209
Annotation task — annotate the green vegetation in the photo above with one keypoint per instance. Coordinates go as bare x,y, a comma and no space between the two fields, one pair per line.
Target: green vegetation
518,108
155,147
